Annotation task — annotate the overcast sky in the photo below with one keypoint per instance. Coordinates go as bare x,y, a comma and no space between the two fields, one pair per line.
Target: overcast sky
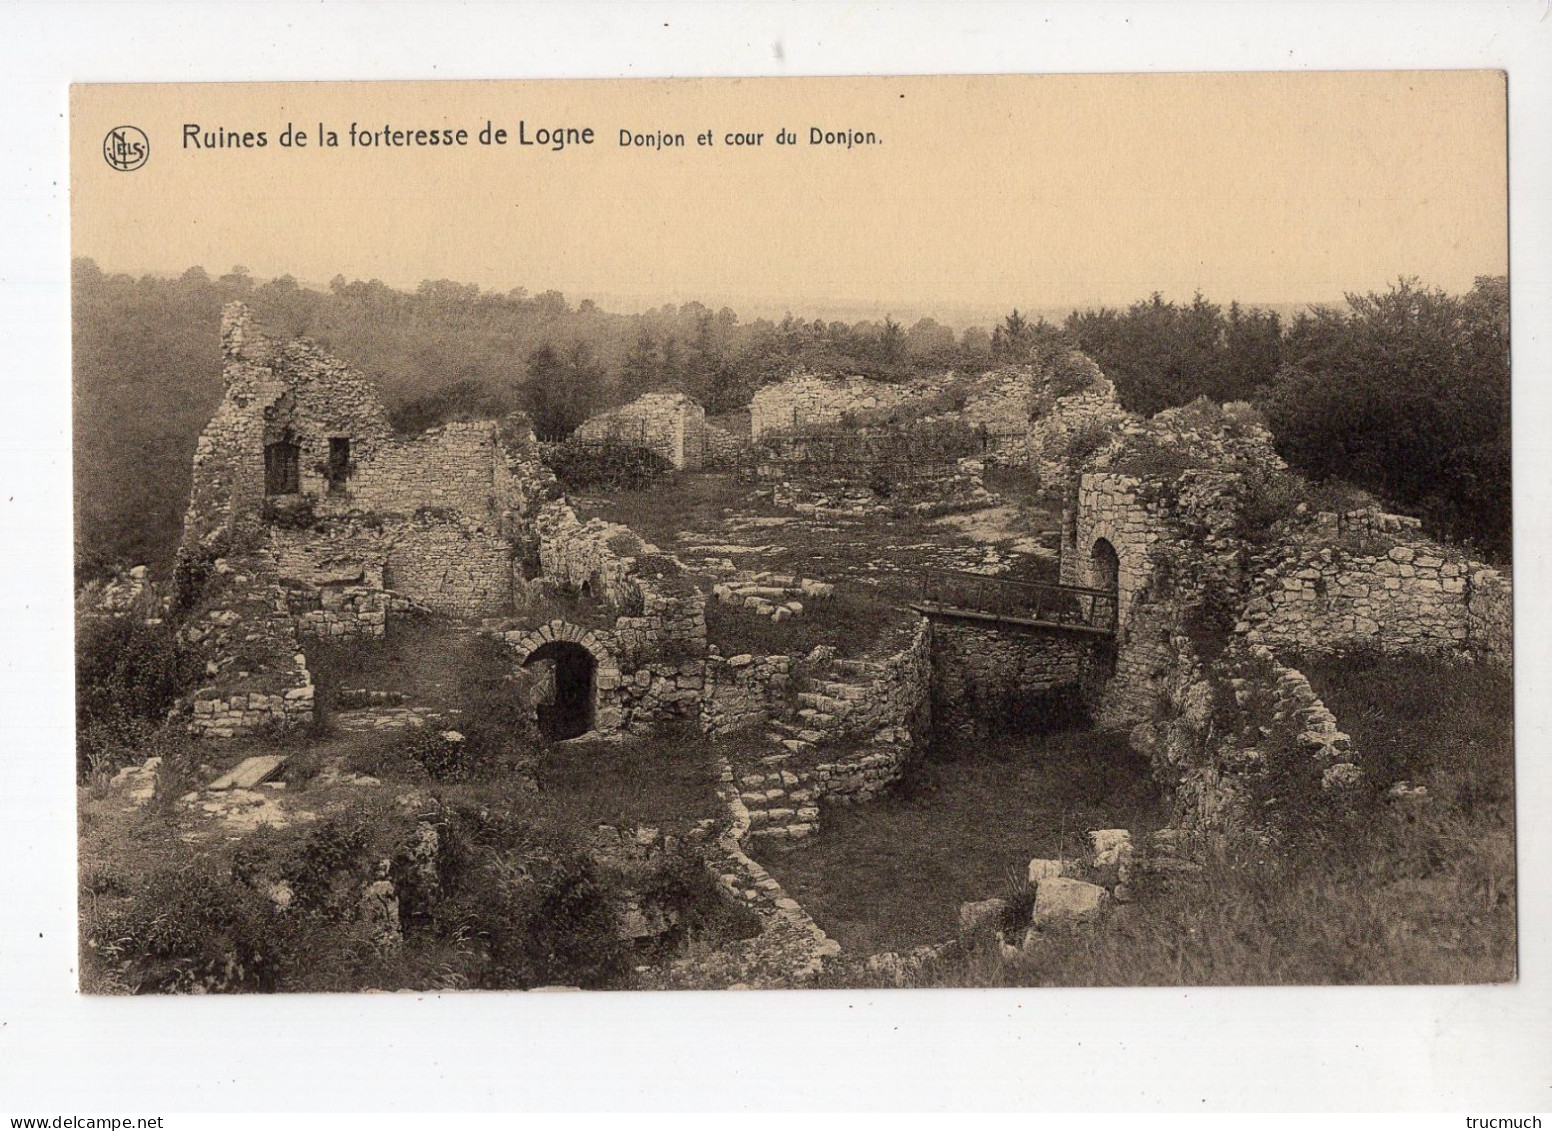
981,193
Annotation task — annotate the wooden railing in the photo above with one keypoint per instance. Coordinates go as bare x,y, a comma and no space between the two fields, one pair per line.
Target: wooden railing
1024,602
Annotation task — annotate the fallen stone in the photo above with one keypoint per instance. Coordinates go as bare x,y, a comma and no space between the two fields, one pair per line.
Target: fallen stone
250,772
1060,898
973,916
1111,846
1045,869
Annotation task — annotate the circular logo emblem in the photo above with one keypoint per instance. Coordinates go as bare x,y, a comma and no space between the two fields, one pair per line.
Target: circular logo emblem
126,148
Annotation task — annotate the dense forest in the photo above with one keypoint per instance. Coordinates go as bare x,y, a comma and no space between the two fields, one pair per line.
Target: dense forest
1404,393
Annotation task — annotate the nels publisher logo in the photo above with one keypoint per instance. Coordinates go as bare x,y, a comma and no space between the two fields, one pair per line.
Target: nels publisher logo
126,148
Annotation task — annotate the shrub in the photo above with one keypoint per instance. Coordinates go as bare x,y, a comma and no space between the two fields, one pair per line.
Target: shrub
194,930
682,887
1078,444
609,466
533,901
128,674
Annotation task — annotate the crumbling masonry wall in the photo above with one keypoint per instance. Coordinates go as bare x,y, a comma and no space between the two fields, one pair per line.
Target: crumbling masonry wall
657,642
985,676
1367,579
808,400
671,424
309,517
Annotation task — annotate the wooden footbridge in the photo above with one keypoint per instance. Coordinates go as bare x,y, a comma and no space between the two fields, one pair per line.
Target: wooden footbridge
1032,604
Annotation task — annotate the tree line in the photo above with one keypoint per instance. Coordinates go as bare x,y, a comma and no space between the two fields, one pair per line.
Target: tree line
1404,393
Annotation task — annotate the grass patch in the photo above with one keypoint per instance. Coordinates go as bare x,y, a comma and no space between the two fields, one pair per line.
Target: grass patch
891,874
854,623
666,779
421,656
680,501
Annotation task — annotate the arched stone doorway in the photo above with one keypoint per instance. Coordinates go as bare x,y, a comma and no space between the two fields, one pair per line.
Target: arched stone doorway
1104,565
586,678
1105,573
570,711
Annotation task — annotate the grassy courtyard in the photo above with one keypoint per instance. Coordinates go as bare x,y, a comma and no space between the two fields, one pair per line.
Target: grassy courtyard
891,874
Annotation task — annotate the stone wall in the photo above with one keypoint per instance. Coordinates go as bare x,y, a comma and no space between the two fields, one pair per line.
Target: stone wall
744,691
449,470
446,566
340,611
671,424
1078,420
990,675
285,538
650,664
450,569
1001,401
595,556
808,400
245,635
724,450
1114,509
1370,580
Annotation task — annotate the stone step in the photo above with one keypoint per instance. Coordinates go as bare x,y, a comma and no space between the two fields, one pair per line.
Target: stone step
850,692
817,720
250,772
856,667
824,703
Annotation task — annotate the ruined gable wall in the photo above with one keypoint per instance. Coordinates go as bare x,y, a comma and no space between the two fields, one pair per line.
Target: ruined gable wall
227,494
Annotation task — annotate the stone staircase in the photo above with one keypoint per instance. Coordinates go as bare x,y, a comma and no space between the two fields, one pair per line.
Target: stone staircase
780,805
826,708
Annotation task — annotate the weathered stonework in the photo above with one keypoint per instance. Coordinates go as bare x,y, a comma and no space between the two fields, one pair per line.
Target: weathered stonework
985,676
1085,417
671,424
1369,580
309,518
724,449
808,400
1218,569
744,691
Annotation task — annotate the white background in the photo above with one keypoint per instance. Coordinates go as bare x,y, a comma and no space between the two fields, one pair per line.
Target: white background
1472,1050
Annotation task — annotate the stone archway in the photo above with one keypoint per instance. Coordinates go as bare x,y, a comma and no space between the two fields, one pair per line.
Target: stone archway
1104,566
1104,572
569,711
586,677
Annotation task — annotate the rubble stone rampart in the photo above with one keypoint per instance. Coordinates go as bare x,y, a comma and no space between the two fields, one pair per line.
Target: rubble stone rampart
986,674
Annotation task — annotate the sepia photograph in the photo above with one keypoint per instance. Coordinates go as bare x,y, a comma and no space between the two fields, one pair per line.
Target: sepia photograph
940,532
